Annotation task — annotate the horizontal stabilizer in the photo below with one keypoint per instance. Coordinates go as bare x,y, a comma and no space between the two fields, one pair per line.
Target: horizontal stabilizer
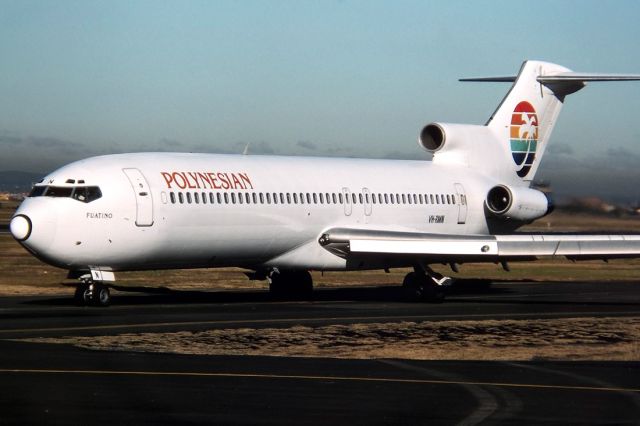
585,77
508,79
560,78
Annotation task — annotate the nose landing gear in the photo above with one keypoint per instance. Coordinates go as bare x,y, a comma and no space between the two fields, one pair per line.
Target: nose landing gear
92,293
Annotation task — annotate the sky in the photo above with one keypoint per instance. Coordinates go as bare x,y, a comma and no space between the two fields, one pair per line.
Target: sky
337,78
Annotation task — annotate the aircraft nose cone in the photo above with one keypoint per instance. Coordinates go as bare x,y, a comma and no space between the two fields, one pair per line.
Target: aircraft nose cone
20,227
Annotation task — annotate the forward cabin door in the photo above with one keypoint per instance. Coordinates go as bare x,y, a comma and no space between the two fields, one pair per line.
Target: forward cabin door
144,202
462,203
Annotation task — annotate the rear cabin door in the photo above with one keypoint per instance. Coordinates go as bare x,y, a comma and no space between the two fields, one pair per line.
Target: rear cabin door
366,195
346,195
144,201
462,203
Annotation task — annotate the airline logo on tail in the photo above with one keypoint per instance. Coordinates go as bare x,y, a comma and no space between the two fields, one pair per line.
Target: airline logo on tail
524,137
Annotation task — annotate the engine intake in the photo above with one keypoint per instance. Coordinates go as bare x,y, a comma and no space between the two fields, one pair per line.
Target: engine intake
524,204
432,137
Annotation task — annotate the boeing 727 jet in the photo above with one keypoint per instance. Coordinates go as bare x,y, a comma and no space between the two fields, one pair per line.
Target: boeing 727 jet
281,217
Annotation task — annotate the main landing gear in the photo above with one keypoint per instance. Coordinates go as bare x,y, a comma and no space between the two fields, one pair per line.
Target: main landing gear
425,285
290,284
90,293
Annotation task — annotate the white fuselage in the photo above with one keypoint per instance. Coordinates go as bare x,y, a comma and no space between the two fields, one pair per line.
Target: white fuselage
156,211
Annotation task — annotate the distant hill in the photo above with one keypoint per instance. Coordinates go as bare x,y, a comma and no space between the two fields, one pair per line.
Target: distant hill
15,181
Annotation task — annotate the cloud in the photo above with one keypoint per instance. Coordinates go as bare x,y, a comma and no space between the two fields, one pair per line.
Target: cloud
611,174
560,148
307,145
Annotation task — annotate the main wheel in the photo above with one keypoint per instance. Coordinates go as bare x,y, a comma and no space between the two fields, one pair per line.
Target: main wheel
422,288
291,284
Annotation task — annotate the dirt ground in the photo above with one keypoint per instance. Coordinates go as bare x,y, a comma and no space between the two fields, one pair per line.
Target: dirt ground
574,339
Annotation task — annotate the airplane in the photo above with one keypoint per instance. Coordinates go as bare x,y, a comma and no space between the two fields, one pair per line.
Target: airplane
280,217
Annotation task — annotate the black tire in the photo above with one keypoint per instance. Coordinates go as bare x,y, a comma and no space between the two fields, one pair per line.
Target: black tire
421,288
82,295
411,288
101,295
291,285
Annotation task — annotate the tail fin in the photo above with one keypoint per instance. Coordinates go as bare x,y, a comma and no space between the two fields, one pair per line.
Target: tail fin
525,118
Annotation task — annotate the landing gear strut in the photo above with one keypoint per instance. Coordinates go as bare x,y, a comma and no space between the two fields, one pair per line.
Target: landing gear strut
290,284
92,293
425,285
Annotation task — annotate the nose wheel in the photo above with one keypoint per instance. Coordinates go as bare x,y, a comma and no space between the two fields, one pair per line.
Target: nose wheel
92,294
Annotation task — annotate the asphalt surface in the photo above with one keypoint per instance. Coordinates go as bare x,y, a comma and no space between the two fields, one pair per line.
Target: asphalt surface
62,384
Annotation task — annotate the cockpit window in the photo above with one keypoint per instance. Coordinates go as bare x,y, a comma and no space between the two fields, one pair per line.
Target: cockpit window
59,191
85,194
37,191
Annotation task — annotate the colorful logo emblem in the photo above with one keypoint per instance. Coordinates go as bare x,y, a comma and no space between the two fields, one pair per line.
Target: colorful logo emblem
524,136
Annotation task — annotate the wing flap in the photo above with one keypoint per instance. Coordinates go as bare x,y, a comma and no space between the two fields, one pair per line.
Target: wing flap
439,247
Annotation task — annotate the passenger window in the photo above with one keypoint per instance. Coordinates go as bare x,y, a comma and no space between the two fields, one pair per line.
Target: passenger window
315,198
353,198
386,199
404,199
301,198
247,198
189,197
172,196
421,199
219,197
327,197
204,198
211,197
240,200
321,195
196,198
275,198
255,198
226,198
261,196
268,198
295,198
340,198
360,198
181,197
233,197
288,198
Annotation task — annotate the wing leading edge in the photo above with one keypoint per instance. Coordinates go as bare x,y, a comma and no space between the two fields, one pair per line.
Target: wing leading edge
346,242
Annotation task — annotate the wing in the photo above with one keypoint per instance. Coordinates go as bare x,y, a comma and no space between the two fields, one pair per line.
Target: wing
436,248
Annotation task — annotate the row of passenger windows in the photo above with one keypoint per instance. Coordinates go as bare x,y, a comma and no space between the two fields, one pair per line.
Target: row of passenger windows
308,198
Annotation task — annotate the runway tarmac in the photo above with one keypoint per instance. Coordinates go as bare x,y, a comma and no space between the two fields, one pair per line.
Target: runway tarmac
56,383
